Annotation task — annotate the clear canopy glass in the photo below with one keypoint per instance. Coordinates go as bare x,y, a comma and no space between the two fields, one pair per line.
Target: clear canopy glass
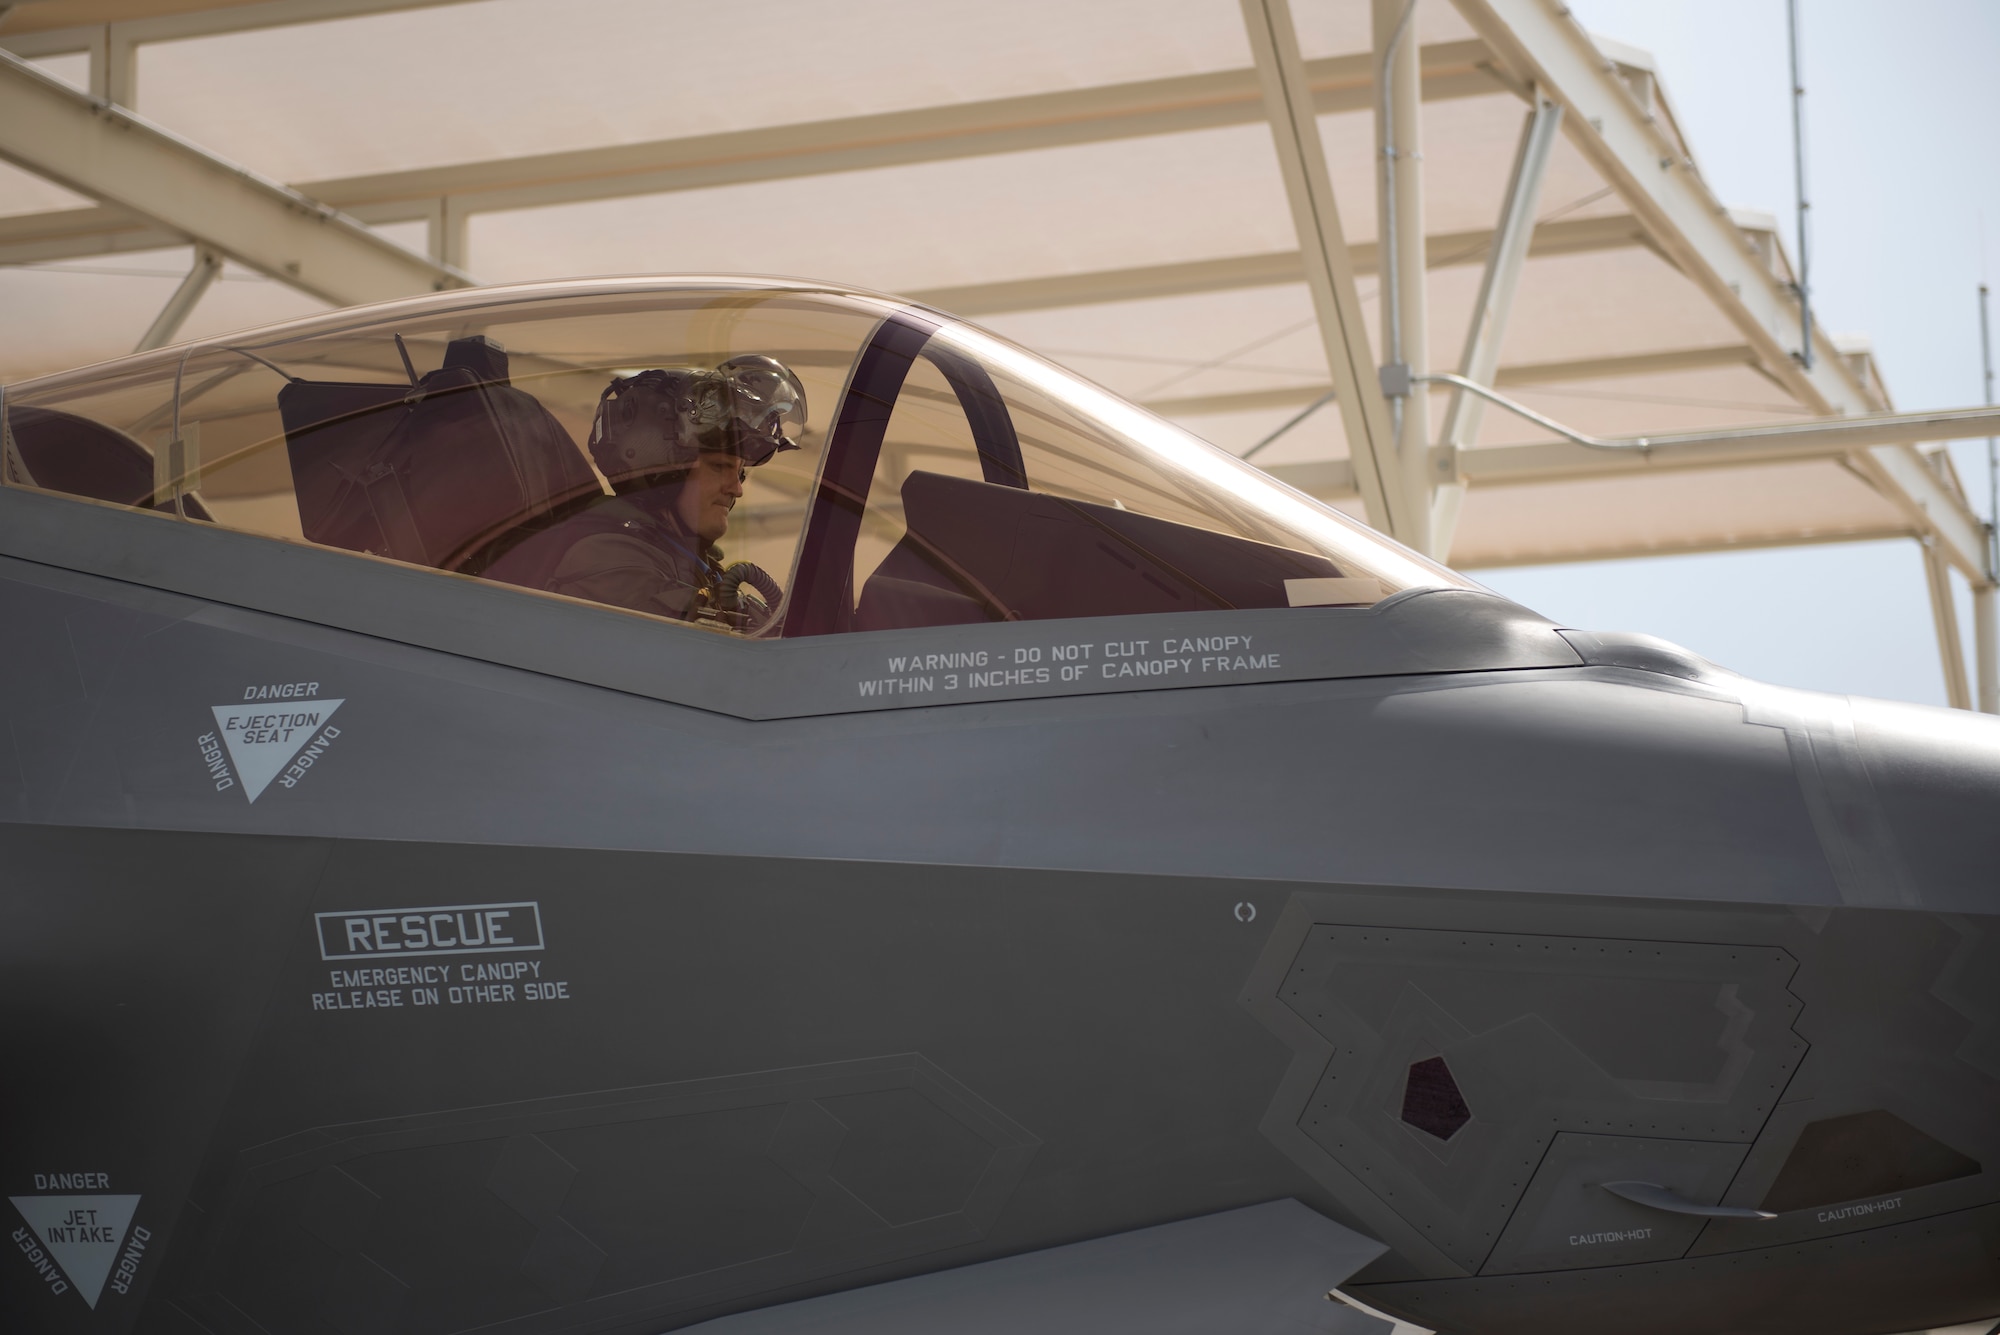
616,441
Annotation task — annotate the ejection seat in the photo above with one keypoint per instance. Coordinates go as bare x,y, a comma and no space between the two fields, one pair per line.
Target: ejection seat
61,451
450,470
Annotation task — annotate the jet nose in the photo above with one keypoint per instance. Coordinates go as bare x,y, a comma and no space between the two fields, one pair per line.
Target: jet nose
1934,777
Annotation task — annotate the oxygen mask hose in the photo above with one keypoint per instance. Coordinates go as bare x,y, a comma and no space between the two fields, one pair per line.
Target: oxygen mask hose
729,591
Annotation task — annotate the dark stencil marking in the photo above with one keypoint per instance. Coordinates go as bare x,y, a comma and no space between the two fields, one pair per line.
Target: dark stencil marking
1431,1101
1863,1154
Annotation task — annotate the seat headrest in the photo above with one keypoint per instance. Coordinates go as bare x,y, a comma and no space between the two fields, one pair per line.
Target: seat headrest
479,355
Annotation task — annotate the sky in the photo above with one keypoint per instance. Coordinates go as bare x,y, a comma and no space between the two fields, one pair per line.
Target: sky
1902,113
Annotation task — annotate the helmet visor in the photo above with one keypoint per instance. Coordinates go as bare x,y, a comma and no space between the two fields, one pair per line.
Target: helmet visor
760,411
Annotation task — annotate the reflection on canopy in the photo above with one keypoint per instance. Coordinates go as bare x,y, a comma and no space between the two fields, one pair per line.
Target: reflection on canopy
947,476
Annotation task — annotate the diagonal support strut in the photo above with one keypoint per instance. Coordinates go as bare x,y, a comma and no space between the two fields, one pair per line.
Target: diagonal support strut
113,155
1480,361
1329,271
207,267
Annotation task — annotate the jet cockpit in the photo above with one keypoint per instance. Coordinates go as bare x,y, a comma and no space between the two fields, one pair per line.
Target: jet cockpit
932,474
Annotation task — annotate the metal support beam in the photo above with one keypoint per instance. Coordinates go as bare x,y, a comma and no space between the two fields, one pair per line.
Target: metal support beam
70,234
447,232
1542,43
1443,250
1804,283
1944,612
1933,506
1636,154
1488,326
1819,438
1405,306
1329,273
1627,364
110,154
207,266
782,152
1521,373
1653,546
34,238
898,138
38,30
114,65
1731,447
1986,645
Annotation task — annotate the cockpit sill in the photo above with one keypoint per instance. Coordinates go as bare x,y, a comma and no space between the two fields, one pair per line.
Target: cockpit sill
162,565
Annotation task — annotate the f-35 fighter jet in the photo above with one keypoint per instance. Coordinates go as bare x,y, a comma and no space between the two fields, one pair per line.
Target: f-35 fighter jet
616,805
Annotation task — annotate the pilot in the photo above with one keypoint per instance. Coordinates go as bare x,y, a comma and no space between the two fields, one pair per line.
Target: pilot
676,446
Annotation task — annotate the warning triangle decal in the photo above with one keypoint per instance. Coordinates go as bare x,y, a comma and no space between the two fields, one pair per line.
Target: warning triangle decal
83,1233
263,738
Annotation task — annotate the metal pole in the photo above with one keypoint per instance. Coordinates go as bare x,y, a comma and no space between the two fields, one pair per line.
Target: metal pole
1944,612
1297,418
1400,209
448,232
1799,177
1986,640
1328,264
207,265
1992,455
1985,616
1385,122
1481,358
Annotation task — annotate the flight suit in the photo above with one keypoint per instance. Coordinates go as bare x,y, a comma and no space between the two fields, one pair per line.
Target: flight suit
622,552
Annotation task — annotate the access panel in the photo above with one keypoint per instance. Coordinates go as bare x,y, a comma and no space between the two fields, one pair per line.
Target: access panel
1568,1219
1434,1069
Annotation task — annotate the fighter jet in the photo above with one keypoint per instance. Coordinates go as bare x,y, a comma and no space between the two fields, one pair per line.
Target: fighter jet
616,805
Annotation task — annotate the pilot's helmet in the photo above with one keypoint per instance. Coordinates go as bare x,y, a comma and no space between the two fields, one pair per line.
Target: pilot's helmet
656,423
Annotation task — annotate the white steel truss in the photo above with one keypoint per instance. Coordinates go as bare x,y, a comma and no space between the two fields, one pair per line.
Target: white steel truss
854,143
1734,447
207,266
1329,271
1541,42
97,149
1507,254
203,18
